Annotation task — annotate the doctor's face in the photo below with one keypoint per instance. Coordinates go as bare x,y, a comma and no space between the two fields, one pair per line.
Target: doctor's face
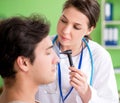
72,27
43,69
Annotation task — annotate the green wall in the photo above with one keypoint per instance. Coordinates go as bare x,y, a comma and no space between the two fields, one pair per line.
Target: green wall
52,10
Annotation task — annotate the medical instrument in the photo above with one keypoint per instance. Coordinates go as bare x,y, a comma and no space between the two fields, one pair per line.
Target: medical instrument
59,79
68,53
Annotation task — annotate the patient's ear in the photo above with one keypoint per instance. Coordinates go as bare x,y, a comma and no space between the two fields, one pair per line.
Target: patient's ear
22,63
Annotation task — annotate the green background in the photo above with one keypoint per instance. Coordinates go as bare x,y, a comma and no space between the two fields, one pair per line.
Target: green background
52,10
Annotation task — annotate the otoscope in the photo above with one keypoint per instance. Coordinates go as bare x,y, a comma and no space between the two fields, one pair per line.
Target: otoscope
68,53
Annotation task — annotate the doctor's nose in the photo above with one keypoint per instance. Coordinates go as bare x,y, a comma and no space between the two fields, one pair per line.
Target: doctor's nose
67,29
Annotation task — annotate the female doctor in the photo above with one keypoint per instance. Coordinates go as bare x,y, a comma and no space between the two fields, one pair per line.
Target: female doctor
91,77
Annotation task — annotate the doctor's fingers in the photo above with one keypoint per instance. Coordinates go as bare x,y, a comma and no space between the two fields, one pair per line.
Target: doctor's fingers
77,78
80,86
74,71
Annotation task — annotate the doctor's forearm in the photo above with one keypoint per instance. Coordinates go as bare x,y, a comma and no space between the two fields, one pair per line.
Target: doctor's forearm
87,96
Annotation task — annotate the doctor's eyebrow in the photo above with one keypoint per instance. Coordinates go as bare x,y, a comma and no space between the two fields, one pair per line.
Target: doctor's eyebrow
49,47
67,19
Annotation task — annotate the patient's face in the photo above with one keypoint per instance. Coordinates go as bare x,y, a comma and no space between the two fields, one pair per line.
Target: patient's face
44,66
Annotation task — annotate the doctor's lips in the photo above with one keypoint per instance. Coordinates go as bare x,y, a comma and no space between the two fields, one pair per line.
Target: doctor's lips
64,38
68,53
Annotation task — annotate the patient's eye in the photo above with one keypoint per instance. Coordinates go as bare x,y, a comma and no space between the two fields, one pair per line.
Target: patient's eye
49,50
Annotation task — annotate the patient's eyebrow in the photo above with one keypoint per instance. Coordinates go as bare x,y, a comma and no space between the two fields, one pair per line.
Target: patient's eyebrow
49,47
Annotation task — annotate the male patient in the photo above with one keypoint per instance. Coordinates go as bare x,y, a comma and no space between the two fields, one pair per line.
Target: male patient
27,58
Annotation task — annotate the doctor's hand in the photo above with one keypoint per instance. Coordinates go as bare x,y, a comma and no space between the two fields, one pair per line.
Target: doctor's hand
79,81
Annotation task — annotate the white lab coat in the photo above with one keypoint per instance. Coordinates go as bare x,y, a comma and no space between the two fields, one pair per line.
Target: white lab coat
104,89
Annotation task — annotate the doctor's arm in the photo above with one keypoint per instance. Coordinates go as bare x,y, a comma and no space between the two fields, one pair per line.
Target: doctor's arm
104,89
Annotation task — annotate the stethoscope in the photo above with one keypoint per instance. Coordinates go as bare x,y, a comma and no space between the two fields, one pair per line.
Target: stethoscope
69,52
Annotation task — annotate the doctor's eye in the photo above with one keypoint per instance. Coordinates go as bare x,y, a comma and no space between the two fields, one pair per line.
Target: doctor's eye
77,27
63,21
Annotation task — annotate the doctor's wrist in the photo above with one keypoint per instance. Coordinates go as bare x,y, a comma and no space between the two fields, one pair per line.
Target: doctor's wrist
87,95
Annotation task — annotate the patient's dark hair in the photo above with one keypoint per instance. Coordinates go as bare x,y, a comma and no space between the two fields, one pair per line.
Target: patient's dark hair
19,37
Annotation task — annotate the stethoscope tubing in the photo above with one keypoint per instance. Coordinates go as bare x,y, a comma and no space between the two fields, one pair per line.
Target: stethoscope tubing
92,63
